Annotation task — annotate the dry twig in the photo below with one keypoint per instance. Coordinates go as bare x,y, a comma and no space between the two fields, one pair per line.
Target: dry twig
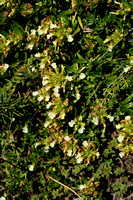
47,176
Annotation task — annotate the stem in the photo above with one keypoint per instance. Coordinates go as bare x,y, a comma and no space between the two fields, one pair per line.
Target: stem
115,44
112,89
64,186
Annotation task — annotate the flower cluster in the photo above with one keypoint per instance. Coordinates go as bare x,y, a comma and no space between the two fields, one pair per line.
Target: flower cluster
125,135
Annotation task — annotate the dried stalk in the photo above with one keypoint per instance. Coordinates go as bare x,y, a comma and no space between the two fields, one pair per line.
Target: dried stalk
64,186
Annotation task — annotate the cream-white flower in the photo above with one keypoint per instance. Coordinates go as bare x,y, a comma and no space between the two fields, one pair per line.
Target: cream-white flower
42,66
126,69
54,65
70,38
52,144
118,126
131,61
5,67
128,118
82,76
37,55
45,53
69,78
67,138
45,77
25,129
49,36
97,154
81,130
47,98
30,46
46,124
71,123
46,149
120,138
52,26
51,115
40,31
48,105
33,32
85,143
78,96
45,82
40,98
78,155
79,160
110,49
69,153
95,120
36,144
121,154
31,167
56,88
81,187
39,3
62,115
111,118
35,93
13,119
33,69
56,94
2,198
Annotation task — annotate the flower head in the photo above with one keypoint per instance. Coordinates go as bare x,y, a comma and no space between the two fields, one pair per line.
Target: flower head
30,46
33,32
81,187
120,138
121,154
126,69
51,115
49,36
52,144
54,65
118,126
95,120
56,88
46,124
47,98
69,78
111,118
128,118
82,76
48,105
52,26
40,98
79,160
71,123
45,82
81,130
37,55
2,198
97,154
42,66
70,38
62,115
67,138
46,149
69,153
85,143
25,129
36,144
31,167
78,96
5,67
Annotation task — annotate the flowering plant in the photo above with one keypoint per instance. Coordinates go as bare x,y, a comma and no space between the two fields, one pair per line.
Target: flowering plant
65,99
